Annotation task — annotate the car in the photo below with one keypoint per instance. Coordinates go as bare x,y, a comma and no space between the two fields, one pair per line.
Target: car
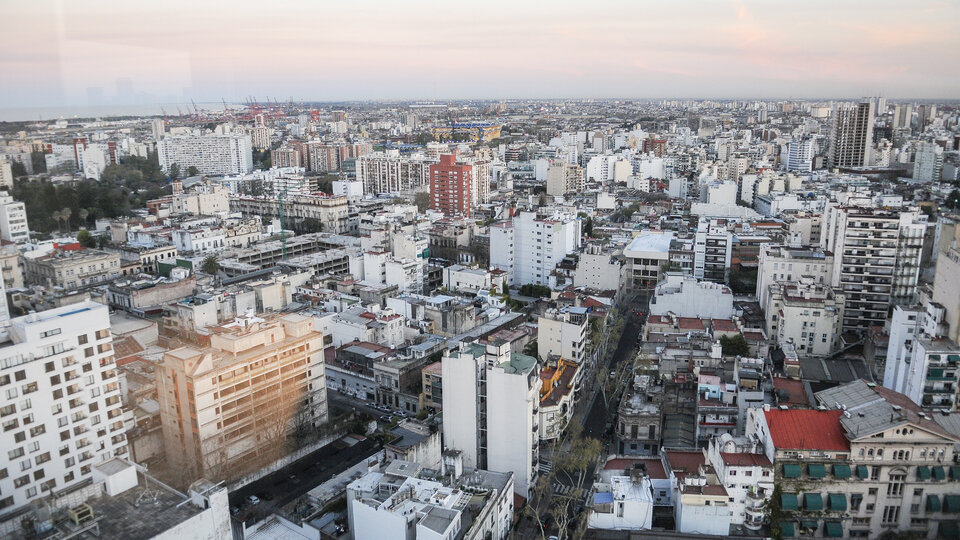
234,510
253,500
386,418
403,414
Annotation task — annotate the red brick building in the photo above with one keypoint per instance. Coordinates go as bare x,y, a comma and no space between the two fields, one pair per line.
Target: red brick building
451,187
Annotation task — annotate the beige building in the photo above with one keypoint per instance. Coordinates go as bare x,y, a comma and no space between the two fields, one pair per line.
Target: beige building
72,269
868,463
563,178
234,405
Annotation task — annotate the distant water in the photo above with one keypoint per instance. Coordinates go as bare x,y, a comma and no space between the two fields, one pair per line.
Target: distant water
100,111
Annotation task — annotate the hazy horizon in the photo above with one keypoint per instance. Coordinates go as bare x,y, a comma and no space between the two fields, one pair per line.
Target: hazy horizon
101,54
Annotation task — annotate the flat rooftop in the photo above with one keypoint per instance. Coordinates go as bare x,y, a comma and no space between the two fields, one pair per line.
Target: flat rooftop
658,242
121,516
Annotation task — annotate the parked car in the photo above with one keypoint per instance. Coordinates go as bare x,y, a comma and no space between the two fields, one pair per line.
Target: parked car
253,499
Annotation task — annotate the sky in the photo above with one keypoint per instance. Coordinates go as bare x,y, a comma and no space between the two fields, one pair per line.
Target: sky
93,53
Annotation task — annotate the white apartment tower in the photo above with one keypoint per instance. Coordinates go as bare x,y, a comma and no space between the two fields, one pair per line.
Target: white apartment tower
928,162
852,136
493,397
876,259
800,154
60,402
529,247
13,220
214,155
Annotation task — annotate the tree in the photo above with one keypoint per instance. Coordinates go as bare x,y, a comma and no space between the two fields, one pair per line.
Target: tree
18,169
735,346
192,171
422,200
83,214
86,239
39,161
210,265
953,200
65,216
531,349
174,171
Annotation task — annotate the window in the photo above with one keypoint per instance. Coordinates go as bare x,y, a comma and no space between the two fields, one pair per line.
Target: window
891,514
895,486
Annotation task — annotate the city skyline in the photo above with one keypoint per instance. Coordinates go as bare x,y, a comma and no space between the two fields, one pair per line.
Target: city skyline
95,54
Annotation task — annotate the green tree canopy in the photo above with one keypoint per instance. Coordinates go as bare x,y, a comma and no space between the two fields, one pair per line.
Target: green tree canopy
210,265
422,200
86,239
192,171
734,346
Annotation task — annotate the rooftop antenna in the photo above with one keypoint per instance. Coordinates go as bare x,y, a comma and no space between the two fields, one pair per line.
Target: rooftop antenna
147,493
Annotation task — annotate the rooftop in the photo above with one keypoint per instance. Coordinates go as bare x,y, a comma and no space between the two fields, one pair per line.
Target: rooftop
801,429
651,242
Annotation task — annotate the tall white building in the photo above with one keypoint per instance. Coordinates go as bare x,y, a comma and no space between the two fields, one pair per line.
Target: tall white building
13,219
214,155
800,154
928,162
563,332
389,172
852,136
60,403
493,396
529,247
876,259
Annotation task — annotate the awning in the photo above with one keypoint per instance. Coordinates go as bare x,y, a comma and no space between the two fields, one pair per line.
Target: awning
604,497
949,530
841,472
787,530
955,472
862,472
939,473
812,501
923,472
809,524
833,529
951,503
838,501
792,471
933,503
816,470
788,501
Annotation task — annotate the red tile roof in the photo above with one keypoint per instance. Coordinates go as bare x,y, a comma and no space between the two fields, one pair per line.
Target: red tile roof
801,429
684,462
690,323
745,460
654,466
724,325
794,387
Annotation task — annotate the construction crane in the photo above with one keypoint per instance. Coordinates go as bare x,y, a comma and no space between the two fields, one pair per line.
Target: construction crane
283,234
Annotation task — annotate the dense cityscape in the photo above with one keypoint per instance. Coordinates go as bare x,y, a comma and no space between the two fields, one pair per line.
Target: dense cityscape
506,319
462,271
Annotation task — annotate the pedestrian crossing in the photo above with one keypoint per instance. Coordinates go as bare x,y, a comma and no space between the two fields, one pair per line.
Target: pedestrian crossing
568,491
544,466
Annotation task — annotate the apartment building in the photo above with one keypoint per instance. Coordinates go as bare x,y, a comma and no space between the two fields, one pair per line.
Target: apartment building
648,256
877,254
851,136
779,264
389,172
230,407
332,212
13,220
213,155
563,178
451,187
869,462
712,250
494,395
562,332
529,246
806,313
60,402
921,361
72,269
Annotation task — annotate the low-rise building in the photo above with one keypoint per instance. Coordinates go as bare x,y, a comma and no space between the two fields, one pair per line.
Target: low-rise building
72,269
685,296
148,296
